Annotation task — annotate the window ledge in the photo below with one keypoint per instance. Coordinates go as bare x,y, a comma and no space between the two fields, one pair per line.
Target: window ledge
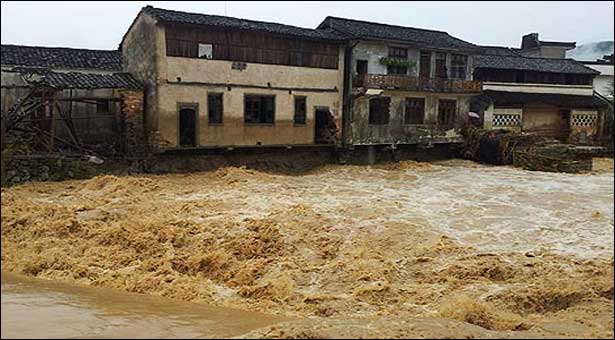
259,124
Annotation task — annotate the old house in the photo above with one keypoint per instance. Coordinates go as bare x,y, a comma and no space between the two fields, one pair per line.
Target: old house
606,69
214,81
73,97
532,46
547,96
403,85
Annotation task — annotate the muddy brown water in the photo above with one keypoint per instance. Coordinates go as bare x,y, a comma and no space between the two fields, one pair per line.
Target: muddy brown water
511,249
34,308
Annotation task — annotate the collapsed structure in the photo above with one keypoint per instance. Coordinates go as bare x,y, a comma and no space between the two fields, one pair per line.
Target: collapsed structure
193,81
72,98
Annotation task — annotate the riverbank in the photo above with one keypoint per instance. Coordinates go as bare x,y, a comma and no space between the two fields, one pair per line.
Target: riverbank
497,248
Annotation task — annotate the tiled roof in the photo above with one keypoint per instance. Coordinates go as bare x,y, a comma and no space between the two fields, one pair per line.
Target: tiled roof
499,50
61,58
370,30
166,15
562,100
78,80
512,62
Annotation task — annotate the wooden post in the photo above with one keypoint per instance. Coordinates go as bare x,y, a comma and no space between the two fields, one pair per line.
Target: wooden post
49,111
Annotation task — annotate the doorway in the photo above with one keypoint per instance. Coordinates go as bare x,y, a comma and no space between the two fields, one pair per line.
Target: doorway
324,125
187,126
361,72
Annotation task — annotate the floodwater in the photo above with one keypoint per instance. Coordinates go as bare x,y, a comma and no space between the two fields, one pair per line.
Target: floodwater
495,249
34,308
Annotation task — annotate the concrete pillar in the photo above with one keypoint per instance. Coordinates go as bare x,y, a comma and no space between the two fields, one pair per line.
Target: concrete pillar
488,122
371,155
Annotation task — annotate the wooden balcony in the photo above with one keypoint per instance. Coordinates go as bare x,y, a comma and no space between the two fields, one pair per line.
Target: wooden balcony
418,84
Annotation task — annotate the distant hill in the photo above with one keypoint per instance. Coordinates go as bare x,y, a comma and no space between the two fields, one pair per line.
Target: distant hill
591,51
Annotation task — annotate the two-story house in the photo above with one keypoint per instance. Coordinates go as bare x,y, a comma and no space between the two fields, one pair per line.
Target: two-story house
403,85
215,81
547,96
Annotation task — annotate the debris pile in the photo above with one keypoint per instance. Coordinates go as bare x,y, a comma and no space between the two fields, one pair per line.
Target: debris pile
526,151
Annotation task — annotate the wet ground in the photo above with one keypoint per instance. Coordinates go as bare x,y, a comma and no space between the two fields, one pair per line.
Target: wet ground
469,249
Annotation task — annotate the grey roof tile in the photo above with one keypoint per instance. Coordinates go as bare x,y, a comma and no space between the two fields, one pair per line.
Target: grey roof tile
61,57
370,30
78,80
166,15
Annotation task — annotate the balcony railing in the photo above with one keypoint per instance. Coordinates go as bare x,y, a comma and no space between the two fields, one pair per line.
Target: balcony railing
418,84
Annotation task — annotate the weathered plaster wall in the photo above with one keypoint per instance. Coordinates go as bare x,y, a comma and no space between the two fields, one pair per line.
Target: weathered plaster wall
373,51
396,132
233,131
543,119
580,90
552,52
141,55
197,77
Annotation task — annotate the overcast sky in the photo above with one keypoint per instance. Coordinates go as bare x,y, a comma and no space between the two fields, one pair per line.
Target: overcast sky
101,25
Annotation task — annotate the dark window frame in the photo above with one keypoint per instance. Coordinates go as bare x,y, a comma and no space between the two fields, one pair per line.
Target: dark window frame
425,66
397,70
298,115
249,104
411,108
376,116
210,96
459,70
100,103
398,52
446,119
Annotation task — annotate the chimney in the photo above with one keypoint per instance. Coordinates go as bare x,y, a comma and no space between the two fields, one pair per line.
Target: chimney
529,41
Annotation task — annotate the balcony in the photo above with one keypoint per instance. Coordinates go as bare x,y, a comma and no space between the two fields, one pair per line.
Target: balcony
418,84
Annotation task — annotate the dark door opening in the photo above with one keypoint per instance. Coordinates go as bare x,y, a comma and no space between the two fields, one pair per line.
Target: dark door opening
187,127
361,72
325,127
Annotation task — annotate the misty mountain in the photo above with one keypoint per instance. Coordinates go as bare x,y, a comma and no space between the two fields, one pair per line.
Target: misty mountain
591,51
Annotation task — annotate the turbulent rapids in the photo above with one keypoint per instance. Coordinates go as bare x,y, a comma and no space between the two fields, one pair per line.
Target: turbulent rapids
410,249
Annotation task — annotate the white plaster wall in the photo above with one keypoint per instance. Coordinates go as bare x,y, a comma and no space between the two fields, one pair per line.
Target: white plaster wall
581,90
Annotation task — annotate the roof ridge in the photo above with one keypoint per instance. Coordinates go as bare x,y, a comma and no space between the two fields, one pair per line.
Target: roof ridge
389,25
229,17
59,48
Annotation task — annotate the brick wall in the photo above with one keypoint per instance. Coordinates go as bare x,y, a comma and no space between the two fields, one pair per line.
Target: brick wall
132,123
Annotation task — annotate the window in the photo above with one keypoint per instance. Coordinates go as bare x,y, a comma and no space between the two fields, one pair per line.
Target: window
300,110
215,108
206,51
415,111
425,62
458,66
446,113
398,52
397,70
361,67
259,109
441,66
102,106
379,110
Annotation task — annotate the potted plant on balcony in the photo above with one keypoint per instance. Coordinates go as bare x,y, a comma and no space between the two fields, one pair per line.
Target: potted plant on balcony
388,61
